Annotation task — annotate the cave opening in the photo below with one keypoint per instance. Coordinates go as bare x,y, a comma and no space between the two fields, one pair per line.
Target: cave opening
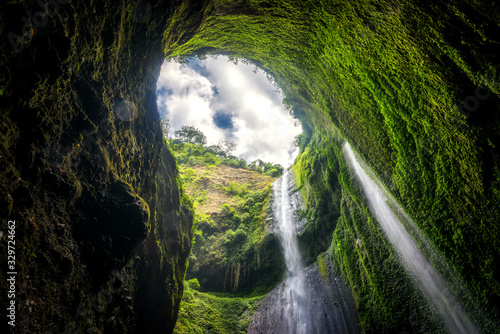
233,136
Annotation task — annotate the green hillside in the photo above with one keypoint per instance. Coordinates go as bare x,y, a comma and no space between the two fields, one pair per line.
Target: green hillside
232,250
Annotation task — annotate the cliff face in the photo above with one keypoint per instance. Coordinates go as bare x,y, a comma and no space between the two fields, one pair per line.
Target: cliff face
414,88
333,309
103,230
233,250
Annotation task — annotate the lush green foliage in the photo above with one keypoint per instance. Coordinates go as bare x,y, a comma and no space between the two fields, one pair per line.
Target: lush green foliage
208,313
232,250
192,154
391,76
229,245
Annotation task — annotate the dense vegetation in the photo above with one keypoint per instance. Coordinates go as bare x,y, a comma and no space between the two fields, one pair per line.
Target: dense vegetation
213,313
413,86
232,250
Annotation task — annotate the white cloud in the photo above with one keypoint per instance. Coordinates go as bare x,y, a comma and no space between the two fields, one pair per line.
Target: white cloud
261,128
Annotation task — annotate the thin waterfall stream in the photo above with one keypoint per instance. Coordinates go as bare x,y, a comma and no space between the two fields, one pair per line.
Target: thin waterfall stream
296,306
441,297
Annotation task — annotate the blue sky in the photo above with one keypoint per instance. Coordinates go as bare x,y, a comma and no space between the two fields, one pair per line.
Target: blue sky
228,101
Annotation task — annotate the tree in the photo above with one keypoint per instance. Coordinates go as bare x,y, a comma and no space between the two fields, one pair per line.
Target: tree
190,134
227,146
217,150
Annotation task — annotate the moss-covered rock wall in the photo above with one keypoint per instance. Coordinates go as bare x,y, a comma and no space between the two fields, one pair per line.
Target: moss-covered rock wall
413,86
103,229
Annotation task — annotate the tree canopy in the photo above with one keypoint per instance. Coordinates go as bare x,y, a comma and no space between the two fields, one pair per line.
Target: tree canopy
190,134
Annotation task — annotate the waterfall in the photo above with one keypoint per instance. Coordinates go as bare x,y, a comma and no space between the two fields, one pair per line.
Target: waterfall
441,297
306,302
296,305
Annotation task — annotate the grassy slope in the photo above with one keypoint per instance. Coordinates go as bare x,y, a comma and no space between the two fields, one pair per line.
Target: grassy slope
232,249
390,76
207,185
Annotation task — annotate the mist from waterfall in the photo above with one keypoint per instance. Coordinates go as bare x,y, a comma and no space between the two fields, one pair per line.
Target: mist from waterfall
296,304
441,297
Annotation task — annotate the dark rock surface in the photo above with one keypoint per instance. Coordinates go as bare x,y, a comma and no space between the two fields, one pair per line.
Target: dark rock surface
103,230
333,309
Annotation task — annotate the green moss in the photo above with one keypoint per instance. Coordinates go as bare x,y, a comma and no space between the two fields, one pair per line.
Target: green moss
323,266
391,77
204,312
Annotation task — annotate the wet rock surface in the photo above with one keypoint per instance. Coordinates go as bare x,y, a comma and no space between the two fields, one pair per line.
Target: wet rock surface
333,309
108,226
297,205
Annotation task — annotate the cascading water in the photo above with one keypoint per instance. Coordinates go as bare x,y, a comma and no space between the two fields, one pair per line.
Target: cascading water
307,302
296,304
449,307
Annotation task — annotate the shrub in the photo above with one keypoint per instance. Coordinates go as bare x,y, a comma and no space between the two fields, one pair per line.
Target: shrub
233,188
194,284
210,158
273,172
243,190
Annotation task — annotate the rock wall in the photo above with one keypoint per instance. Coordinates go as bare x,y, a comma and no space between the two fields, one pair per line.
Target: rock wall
333,309
102,228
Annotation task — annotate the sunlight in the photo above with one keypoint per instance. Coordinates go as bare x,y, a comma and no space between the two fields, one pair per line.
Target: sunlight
229,101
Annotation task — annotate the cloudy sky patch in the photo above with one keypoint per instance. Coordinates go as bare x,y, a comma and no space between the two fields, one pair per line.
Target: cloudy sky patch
228,101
